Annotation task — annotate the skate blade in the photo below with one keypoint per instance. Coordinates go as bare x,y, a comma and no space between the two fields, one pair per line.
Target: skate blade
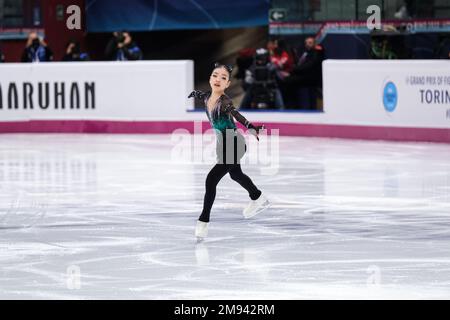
264,206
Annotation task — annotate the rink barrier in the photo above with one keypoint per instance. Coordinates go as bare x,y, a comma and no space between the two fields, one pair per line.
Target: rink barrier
285,129
383,100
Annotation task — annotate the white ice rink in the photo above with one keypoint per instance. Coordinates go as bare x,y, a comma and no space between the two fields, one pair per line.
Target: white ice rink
112,216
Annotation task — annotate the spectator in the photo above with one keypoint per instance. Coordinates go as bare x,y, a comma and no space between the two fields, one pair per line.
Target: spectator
122,47
282,59
381,48
306,73
261,87
73,52
36,50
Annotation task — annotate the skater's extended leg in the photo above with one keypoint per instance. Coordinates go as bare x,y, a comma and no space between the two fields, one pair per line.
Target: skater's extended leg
237,175
213,178
259,201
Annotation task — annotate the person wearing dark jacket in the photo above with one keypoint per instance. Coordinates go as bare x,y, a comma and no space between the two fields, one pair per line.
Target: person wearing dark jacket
307,72
122,48
73,52
36,50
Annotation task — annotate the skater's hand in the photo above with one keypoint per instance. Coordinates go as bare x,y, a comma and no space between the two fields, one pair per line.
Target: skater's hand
254,130
197,94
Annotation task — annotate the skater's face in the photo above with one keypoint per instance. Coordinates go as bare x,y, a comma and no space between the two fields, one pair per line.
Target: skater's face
220,79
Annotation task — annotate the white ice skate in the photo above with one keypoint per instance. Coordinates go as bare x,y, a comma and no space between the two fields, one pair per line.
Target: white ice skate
256,206
201,230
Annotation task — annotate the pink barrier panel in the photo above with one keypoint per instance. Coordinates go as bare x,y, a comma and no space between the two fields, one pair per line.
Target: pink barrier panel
285,129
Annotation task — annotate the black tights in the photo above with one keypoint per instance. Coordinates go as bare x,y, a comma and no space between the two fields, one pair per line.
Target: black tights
213,178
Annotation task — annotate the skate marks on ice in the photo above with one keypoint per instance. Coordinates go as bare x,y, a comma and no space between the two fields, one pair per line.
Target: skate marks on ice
107,216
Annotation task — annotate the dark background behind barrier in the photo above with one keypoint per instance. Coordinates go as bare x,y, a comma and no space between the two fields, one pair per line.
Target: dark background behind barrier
144,15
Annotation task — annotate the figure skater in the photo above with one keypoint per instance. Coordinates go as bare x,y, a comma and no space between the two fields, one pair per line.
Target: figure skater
230,147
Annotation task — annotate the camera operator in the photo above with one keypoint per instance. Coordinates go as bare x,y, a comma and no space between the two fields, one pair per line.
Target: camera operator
282,59
122,48
36,50
260,80
73,52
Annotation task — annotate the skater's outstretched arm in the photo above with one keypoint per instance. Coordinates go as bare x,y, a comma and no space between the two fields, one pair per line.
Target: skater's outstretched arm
229,108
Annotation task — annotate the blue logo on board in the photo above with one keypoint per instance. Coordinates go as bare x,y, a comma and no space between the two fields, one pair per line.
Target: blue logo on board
390,96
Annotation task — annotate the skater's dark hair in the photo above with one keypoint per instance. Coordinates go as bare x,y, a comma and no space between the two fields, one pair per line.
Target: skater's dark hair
227,67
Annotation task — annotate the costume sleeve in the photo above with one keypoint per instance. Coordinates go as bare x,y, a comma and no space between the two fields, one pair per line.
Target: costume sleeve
228,107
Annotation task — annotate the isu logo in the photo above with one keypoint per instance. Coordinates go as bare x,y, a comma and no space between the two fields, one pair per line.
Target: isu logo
390,96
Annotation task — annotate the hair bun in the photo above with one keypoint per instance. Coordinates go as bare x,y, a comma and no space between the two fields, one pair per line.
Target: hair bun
228,67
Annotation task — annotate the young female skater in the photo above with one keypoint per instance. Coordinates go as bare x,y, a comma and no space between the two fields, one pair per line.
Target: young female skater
230,147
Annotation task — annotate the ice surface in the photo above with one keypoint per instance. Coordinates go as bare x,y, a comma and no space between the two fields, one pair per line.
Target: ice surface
113,216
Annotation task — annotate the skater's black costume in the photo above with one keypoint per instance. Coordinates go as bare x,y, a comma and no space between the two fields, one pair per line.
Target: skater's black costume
230,148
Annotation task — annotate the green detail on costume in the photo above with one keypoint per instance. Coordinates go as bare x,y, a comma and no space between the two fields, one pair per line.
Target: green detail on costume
223,123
